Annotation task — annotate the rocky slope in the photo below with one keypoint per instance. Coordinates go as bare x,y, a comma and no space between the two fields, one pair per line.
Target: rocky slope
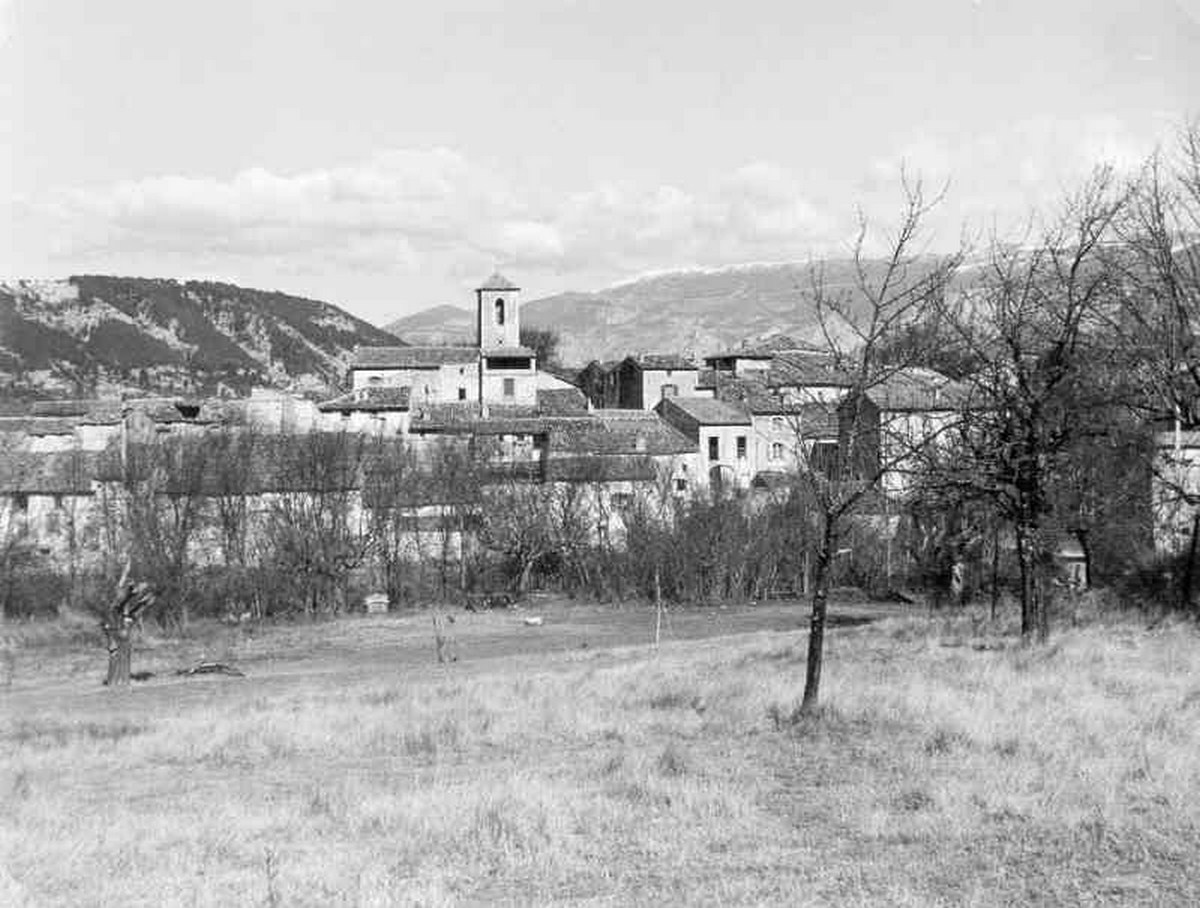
690,312
449,325
97,334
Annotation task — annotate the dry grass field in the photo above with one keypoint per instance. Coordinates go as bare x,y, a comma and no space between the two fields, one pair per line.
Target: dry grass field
571,763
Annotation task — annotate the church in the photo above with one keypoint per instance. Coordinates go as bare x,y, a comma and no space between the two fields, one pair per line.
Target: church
497,371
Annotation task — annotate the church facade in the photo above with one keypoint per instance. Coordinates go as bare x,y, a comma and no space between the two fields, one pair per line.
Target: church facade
497,370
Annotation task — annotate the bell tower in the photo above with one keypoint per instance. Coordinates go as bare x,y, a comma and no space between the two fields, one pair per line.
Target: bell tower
499,313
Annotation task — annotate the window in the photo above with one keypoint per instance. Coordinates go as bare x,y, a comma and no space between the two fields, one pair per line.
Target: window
741,447
510,387
777,450
462,393
714,448
20,502
680,485
499,307
670,391
777,423
621,499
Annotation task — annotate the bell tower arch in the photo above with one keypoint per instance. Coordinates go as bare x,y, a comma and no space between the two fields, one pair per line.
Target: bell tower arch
498,313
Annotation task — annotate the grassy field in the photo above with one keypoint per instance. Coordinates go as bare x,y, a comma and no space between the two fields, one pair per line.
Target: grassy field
572,763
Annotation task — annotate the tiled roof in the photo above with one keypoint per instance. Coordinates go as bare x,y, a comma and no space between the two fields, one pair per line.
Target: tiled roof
709,412
370,400
599,435
497,281
671,361
561,402
919,390
37,425
569,375
761,401
466,417
92,411
764,349
58,473
412,357
805,369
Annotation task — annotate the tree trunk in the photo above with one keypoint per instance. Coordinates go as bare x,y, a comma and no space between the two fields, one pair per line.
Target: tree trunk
1035,611
816,633
442,638
995,571
657,607
120,653
1189,568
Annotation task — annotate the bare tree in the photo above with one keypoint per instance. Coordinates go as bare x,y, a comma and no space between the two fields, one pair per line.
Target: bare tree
164,496
1158,261
318,531
858,319
1033,319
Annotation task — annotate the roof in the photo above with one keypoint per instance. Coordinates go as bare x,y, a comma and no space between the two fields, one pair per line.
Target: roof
509,351
764,349
566,373
412,357
600,434
919,390
813,416
709,412
106,410
57,473
465,418
805,369
497,281
561,402
662,361
369,400
37,425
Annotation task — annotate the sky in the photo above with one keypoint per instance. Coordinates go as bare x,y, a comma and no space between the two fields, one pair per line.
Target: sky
387,156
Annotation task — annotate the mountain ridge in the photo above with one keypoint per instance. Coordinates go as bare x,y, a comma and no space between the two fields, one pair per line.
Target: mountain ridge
102,334
693,312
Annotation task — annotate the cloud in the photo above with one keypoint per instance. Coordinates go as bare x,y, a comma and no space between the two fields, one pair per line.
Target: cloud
432,209
7,21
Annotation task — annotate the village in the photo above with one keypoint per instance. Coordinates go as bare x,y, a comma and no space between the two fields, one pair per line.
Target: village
741,423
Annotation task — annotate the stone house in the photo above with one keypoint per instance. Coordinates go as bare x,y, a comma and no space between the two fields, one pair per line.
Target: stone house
642,381
720,432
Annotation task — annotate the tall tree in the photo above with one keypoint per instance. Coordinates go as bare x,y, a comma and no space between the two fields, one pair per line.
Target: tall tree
1034,318
859,321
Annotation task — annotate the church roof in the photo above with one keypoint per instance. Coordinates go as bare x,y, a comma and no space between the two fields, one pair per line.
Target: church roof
412,357
497,281
510,351
370,400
